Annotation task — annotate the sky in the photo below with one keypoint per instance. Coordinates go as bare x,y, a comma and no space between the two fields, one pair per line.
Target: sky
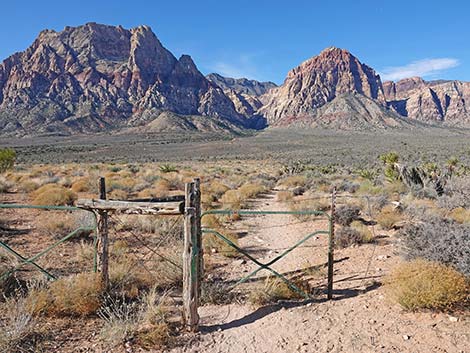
263,40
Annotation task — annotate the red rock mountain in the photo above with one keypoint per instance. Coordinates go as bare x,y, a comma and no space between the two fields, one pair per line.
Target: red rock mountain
318,81
96,77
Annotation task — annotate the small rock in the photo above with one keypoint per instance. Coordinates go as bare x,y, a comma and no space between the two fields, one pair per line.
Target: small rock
382,257
453,319
406,337
239,262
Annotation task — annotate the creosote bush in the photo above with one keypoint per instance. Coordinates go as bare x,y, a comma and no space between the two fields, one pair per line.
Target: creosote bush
422,284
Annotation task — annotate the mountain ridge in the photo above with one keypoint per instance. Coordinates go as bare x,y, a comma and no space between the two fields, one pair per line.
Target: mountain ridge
96,78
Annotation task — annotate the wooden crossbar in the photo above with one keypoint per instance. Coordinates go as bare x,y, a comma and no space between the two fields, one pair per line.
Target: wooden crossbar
128,207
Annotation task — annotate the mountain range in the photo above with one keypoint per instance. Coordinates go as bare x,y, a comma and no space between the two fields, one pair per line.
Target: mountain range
98,78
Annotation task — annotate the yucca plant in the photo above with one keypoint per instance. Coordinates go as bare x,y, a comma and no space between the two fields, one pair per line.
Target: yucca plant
168,168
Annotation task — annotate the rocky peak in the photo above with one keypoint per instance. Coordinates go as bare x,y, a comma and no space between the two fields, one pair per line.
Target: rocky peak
318,81
95,77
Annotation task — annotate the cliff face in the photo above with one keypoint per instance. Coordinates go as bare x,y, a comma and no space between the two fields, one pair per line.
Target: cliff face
430,101
96,77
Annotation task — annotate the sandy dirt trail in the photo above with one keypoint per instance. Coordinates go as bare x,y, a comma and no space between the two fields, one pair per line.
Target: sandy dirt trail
359,319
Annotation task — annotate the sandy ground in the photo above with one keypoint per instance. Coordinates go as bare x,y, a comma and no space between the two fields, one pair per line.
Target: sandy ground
359,319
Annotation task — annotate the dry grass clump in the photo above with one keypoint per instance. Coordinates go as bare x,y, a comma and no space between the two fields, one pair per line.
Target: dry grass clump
81,185
212,244
293,181
144,322
366,234
217,188
460,215
18,329
217,292
232,200
5,185
53,195
284,196
77,295
274,289
28,186
249,191
388,217
320,204
422,284
368,188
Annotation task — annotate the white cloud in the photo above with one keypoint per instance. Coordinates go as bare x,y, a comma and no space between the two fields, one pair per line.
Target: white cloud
422,68
238,67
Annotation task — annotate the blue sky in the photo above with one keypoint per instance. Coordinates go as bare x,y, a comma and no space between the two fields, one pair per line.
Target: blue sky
265,39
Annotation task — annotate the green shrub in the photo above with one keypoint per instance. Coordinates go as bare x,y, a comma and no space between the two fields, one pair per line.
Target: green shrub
7,159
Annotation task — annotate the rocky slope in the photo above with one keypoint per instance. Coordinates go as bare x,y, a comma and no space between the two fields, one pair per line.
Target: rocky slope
431,102
245,94
96,77
321,80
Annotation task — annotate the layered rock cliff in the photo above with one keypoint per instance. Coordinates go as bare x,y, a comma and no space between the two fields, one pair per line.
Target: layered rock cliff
96,77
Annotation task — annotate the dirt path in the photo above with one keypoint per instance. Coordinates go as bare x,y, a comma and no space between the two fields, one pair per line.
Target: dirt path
360,319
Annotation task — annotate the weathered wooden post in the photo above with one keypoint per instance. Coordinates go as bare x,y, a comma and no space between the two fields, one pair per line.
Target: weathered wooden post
191,255
331,244
103,236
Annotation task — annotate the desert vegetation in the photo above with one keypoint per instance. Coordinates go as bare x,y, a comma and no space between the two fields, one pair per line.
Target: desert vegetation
429,224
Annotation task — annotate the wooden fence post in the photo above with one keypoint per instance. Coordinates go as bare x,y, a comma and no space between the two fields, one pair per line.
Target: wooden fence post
331,244
103,236
191,256
197,206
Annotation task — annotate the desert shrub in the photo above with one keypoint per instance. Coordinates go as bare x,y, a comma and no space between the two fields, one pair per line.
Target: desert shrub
144,322
17,330
456,194
5,185
249,191
388,217
347,236
422,284
232,200
77,295
460,215
168,168
128,277
28,186
293,181
395,187
346,214
284,195
217,188
120,319
348,186
217,292
368,188
81,185
438,239
7,159
53,195
318,204
366,234
274,289
212,244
